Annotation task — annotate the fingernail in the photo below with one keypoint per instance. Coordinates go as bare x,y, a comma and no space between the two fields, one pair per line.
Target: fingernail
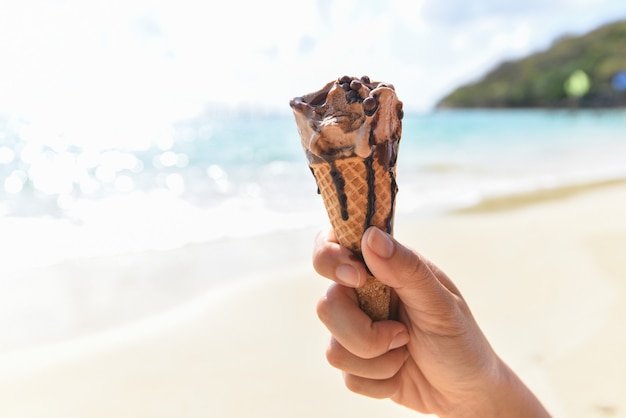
380,243
348,275
399,340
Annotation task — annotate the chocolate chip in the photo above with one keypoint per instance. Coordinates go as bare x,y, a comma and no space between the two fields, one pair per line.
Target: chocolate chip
352,96
370,104
345,86
356,85
345,79
365,79
400,112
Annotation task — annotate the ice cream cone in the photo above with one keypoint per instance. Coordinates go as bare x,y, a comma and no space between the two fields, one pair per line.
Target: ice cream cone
359,193
350,130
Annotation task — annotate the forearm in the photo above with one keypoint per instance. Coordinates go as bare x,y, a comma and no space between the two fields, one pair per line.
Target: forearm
517,400
506,397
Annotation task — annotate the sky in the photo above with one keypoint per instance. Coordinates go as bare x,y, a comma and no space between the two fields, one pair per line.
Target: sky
90,72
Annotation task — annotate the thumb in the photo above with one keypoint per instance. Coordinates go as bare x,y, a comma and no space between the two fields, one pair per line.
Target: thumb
419,284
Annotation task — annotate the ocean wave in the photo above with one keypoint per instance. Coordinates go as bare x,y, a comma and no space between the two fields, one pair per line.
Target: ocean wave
249,177
137,222
502,192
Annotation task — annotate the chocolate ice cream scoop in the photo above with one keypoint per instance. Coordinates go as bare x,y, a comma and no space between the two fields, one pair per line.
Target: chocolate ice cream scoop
347,117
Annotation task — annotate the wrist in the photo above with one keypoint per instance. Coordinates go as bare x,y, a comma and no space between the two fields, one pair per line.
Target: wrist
509,397
501,394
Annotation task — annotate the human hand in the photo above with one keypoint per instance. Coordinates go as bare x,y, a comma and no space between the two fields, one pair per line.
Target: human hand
434,358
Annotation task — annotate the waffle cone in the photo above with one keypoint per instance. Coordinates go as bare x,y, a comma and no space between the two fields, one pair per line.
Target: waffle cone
359,193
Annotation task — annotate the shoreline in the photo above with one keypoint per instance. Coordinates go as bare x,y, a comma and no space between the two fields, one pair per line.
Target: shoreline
195,269
522,199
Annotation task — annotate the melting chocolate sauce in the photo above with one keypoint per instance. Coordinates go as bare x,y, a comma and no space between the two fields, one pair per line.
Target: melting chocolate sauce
371,140
352,96
318,186
394,191
340,185
371,192
385,154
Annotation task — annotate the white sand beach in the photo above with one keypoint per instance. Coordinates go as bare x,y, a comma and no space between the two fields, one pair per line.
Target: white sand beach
545,277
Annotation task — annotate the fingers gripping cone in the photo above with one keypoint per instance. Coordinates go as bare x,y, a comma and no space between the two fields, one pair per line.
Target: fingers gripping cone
350,130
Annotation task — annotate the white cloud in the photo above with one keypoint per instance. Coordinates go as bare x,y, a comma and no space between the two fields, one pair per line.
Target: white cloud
89,72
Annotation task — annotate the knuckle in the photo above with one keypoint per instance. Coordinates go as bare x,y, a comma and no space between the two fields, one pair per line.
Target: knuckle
354,383
326,305
377,389
324,258
320,258
335,355
322,309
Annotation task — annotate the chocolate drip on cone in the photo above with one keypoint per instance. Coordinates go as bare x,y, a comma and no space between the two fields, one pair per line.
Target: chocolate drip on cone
340,184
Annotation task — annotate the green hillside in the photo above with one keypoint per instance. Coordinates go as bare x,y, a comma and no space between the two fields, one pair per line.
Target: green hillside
576,71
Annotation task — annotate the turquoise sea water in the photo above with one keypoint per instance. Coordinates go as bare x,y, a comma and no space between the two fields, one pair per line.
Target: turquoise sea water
244,174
